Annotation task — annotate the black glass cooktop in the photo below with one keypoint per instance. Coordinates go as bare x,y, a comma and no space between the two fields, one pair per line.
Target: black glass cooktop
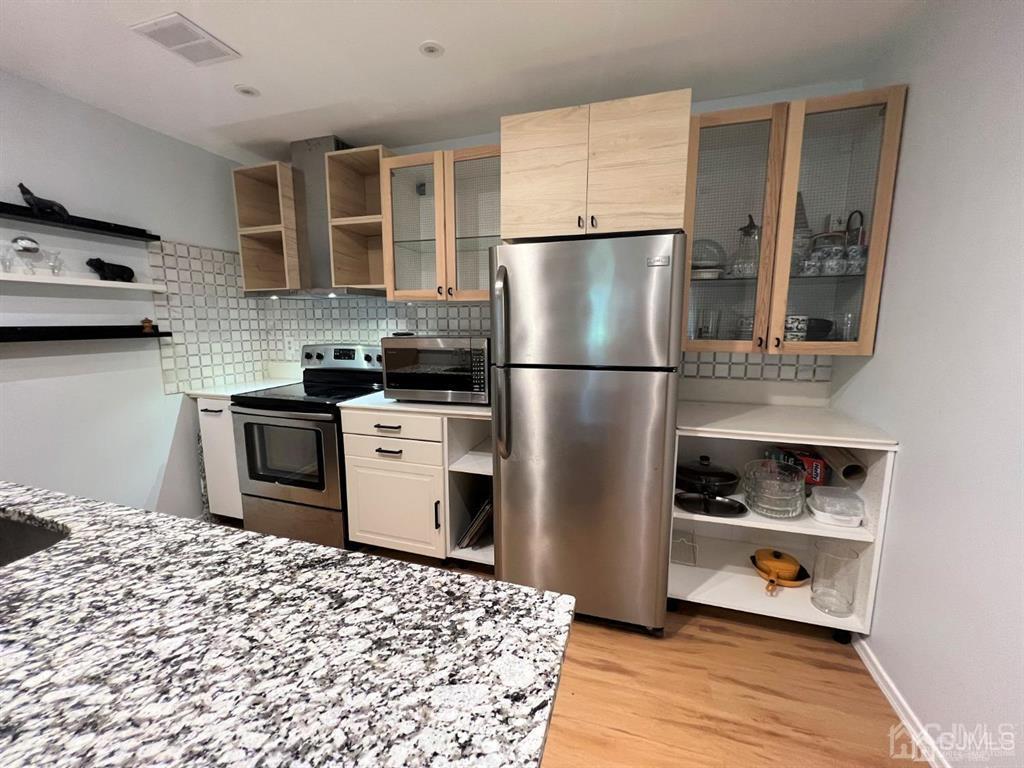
311,394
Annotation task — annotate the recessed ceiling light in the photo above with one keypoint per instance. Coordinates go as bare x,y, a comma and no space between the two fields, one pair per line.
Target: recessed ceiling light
332,295
432,49
246,90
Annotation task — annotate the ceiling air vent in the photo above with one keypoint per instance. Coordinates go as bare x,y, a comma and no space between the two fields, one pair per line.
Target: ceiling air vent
187,39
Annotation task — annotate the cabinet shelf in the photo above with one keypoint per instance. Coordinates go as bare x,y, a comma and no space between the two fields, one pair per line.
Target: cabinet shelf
483,555
369,226
478,461
725,578
803,524
82,282
795,278
77,223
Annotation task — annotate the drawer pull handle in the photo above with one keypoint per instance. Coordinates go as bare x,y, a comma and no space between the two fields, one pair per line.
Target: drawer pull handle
211,410
389,452
387,426
437,515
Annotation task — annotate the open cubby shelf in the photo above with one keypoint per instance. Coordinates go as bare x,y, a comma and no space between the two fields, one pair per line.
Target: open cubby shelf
469,484
77,224
354,210
258,196
263,260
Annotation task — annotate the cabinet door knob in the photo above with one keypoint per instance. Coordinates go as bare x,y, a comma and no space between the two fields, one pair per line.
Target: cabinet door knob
211,410
760,342
593,221
778,342
388,452
437,515
440,291
450,292
579,222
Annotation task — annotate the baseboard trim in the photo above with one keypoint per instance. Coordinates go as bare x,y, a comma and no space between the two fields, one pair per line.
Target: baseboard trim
910,721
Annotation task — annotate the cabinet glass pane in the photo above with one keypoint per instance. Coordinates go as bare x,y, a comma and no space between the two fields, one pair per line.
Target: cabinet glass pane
477,209
731,172
412,227
832,233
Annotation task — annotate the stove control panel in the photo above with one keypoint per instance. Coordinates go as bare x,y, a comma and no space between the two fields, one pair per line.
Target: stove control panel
341,355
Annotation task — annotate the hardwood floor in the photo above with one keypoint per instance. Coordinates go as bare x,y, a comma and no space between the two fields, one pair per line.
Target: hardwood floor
720,689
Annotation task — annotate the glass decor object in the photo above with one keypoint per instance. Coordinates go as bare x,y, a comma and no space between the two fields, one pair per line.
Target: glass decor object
774,489
834,578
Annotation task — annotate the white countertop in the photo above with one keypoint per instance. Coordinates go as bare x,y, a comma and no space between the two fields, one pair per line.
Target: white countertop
377,402
225,391
783,423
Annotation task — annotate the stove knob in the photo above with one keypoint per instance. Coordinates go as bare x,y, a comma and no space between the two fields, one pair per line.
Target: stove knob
379,359
319,356
308,355
368,358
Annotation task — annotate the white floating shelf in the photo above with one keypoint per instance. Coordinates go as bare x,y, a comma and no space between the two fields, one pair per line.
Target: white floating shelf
804,524
726,578
81,282
479,461
483,555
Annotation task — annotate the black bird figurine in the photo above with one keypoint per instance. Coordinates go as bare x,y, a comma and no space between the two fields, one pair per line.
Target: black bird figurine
43,208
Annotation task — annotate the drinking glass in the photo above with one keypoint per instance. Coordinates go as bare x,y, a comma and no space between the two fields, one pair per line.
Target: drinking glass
834,580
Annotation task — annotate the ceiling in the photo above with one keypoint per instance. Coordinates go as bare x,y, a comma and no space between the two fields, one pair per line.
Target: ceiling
354,68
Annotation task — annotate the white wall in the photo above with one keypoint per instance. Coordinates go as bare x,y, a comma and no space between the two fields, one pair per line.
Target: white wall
91,418
946,377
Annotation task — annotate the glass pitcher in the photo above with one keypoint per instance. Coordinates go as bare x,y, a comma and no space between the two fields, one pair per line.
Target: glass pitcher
748,253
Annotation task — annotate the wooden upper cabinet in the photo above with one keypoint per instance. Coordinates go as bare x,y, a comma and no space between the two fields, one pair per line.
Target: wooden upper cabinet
544,173
613,166
272,249
636,176
472,187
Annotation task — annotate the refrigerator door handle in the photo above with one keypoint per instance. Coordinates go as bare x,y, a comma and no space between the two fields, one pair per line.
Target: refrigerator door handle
501,412
501,315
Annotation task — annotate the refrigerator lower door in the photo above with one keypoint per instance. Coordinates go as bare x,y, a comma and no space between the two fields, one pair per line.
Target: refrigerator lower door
613,301
583,486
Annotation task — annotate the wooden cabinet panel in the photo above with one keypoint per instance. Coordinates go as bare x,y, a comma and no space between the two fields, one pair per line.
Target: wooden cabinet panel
637,162
393,450
544,172
399,506
218,436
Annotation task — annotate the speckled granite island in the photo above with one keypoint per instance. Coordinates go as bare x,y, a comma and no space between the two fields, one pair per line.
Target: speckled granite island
148,639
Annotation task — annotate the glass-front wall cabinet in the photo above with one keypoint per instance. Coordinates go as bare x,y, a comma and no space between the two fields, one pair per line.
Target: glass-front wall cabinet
838,178
413,223
472,223
788,211
441,215
734,177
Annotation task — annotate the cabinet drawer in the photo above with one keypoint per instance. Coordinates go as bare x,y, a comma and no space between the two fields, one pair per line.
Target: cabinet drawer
386,424
391,449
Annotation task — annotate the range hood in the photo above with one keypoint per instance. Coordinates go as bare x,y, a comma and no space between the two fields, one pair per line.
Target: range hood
307,157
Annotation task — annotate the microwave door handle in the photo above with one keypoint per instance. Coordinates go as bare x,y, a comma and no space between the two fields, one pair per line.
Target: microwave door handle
501,412
501,315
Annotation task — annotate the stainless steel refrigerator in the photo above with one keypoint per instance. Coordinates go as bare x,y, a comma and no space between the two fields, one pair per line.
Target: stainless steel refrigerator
586,348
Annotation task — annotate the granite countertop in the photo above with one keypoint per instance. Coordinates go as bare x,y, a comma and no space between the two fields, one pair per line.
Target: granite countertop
143,638
377,402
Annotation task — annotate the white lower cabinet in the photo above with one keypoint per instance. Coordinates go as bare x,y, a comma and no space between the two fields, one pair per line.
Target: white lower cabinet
398,506
218,437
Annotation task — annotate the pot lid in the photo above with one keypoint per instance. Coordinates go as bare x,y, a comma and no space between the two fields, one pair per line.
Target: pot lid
704,470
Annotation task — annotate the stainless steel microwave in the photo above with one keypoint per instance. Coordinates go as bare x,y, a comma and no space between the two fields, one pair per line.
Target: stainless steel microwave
437,369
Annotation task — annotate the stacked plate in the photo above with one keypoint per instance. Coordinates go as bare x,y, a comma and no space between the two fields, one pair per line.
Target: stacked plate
774,489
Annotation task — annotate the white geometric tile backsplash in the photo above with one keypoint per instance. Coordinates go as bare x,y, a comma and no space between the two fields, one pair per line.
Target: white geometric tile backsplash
222,336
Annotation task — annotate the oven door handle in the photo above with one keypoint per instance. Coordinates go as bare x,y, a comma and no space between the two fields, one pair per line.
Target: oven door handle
282,414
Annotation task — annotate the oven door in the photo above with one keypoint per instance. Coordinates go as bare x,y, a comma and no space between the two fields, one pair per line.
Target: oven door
436,369
288,456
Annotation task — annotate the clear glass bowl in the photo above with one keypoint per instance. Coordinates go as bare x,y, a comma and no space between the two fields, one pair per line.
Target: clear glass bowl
774,489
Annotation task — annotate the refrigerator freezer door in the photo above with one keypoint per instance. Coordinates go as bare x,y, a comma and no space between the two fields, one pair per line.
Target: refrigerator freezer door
583,487
599,302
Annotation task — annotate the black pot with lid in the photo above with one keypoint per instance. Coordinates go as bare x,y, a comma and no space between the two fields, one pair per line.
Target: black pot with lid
705,478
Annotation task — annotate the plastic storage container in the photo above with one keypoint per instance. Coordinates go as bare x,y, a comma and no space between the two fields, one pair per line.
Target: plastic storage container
836,506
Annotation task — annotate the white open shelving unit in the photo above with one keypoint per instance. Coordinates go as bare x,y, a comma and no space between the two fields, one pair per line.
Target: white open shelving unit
470,463
80,282
732,434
